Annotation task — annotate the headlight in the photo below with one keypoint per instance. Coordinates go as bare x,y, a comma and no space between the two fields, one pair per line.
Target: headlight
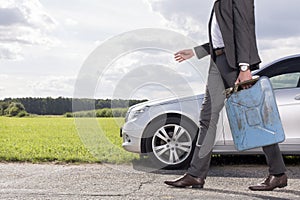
134,113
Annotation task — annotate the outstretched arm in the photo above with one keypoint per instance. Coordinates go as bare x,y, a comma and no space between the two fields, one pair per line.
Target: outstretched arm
199,51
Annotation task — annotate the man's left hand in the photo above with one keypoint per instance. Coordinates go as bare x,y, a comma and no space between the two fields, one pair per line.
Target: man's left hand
244,76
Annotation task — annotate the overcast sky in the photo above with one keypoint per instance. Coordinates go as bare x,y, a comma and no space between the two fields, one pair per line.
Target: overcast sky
44,43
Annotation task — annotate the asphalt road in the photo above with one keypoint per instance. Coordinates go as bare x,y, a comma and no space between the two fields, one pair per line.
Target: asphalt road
102,181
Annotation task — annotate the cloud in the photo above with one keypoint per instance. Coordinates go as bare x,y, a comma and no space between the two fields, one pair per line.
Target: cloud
190,17
11,16
54,85
278,48
70,22
277,19
36,86
23,22
10,51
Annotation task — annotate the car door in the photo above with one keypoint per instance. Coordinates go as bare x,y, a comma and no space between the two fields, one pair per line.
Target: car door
285,78
287,92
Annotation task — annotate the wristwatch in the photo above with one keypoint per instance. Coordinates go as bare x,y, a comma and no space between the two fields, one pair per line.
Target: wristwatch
244,68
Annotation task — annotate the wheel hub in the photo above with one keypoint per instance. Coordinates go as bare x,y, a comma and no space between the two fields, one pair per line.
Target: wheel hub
172,144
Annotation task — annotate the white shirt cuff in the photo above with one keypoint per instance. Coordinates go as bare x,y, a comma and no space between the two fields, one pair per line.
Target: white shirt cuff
242,64
194,51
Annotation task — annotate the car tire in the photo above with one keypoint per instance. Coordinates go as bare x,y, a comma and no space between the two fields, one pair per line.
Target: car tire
170,142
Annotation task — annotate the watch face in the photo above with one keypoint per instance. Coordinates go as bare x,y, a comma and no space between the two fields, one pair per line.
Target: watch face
244,68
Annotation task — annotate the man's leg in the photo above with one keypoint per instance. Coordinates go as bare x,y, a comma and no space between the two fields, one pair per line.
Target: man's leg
277,177
274,159
220,74
211,107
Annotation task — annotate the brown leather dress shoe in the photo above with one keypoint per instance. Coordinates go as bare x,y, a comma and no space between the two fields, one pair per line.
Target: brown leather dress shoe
271,183
186,181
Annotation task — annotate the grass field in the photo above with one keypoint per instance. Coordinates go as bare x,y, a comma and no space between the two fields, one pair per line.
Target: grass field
58,139
80,140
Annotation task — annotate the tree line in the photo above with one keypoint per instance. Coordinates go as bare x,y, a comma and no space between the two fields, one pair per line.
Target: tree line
61,105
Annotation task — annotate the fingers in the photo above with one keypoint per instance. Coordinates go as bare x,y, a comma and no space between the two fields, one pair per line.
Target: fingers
183,55
244,76
179,58
246,86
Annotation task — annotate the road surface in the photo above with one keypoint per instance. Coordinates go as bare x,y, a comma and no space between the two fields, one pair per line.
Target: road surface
103,181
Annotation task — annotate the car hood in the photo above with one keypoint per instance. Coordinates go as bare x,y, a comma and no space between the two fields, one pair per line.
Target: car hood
167,101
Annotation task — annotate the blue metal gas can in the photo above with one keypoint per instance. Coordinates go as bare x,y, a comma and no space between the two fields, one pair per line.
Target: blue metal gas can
253,116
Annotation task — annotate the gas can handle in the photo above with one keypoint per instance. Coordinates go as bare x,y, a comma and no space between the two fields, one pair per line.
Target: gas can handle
239,86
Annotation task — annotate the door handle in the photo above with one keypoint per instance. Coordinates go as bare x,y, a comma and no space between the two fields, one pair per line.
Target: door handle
297,97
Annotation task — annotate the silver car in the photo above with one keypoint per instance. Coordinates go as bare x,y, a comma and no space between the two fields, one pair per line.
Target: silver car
166,130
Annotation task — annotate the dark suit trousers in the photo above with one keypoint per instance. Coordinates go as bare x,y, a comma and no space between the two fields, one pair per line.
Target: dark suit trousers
221,76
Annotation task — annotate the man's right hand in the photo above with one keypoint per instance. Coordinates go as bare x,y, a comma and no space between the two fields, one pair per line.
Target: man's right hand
184,55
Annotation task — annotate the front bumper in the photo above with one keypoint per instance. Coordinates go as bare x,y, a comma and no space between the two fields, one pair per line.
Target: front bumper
131,142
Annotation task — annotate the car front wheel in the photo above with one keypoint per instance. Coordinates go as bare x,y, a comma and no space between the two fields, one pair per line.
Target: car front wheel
171,142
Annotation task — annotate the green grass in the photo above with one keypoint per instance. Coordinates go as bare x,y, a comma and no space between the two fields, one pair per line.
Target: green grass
58,139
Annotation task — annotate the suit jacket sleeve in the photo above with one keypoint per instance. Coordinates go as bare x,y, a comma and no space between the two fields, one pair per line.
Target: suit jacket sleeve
243,15
202,50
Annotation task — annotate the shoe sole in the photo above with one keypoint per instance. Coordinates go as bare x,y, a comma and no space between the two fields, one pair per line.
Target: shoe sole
180,186
282,186
271,189
197,186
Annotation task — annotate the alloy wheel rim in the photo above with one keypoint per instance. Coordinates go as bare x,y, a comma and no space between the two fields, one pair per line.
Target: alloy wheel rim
172,144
